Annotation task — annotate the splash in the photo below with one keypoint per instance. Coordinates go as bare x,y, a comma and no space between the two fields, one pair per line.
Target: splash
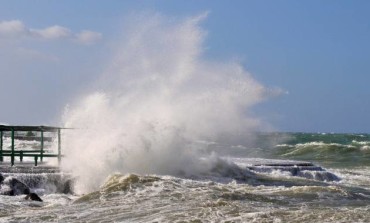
158,98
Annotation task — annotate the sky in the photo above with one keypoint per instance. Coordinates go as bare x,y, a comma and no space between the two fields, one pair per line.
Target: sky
317,52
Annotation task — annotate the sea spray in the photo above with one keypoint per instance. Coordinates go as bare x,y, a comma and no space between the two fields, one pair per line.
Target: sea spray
158,98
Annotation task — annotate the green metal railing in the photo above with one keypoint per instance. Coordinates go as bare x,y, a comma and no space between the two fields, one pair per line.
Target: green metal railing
36,154
1,145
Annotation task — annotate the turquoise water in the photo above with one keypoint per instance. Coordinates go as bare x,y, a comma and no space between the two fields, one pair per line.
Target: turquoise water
331,150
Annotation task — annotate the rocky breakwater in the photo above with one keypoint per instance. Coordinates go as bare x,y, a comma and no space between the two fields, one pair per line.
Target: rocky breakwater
34,182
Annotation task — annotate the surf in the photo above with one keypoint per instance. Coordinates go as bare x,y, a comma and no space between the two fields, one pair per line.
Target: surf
157,99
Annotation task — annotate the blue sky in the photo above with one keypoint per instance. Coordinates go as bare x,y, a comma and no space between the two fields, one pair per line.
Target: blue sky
317,51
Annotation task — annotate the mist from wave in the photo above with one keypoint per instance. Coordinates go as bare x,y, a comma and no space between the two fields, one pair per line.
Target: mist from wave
157,99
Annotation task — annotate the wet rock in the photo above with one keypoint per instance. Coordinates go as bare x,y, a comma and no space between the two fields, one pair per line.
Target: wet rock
33,196
16,186
11,186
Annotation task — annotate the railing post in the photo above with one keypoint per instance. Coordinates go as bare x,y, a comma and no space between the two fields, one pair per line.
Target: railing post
1,146
59,148
12,155
42,145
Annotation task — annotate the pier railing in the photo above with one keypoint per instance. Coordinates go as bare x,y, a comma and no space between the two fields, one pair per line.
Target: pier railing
35,153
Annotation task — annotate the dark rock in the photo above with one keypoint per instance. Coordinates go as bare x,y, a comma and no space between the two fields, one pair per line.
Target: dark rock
68,187
17,186
33,196
11,186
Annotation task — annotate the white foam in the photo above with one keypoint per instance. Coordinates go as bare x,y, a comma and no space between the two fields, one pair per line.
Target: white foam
158,97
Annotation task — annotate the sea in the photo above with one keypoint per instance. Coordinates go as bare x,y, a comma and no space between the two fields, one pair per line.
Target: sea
270,181
168,133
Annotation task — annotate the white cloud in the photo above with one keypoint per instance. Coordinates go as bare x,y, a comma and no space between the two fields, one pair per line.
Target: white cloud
88,37
12,28
17,29
53,32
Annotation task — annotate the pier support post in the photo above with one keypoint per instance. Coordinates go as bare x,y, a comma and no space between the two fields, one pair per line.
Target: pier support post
42,145
59,148
12,155
1,146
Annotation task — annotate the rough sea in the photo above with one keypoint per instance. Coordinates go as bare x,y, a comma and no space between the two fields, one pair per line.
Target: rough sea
230,191
166,133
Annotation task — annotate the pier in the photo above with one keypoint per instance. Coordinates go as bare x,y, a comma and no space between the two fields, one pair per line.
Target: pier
36,154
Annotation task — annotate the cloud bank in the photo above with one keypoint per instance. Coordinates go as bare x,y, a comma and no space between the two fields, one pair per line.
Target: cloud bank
17,29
